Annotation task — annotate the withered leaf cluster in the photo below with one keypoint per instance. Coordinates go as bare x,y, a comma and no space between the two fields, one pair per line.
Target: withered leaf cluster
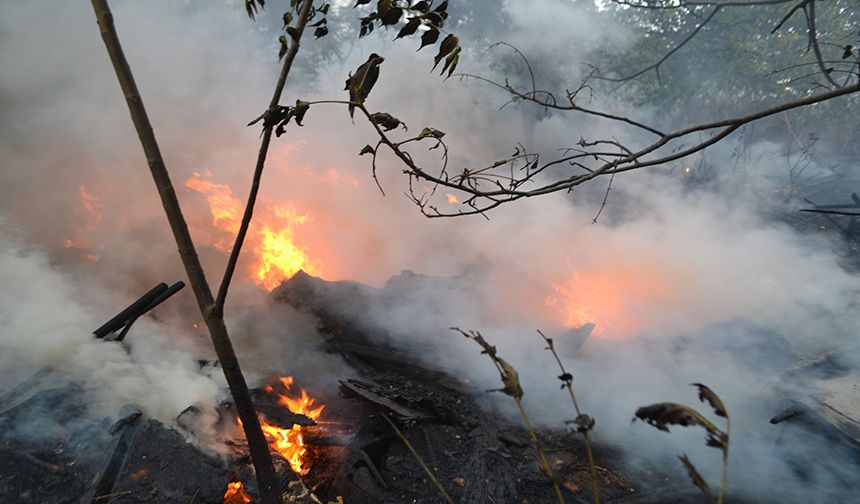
361,82
583,423
280,116
510,377
387,121
424,16
696,478
662,415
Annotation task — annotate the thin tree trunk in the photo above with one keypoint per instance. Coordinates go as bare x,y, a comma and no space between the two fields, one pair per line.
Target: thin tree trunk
259,448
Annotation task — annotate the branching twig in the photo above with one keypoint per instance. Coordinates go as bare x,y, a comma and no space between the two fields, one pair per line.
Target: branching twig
512,387
584,422
304,15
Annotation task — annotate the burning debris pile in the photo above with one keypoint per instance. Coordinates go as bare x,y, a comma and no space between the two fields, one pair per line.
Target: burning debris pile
356,444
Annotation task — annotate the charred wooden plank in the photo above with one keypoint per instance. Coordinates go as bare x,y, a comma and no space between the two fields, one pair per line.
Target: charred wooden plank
123,431
121,318
164,296
24,390
361,390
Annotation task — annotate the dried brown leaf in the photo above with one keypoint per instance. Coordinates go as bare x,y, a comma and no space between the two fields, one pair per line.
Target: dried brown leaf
696,478
709,396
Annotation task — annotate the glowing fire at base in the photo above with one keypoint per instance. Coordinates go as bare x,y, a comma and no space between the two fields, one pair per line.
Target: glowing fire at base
289,443
277,255
236,493
609,299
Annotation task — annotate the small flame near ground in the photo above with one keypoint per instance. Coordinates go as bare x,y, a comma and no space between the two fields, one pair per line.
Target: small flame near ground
277,255
236,493
289,443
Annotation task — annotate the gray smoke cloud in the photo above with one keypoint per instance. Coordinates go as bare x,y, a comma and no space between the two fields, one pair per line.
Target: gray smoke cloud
667,258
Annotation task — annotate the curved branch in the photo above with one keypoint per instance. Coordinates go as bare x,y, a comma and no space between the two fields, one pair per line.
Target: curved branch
656,66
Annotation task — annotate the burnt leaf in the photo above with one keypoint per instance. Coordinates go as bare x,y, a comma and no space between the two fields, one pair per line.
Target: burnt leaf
442,7
706,395
360,2
367,25
299,111
274,116
383,6
324,9
847,51
429,38
288,18
583,423
661,415
511,379
451,62
392,16
421,6
431,132
409,28
696,478
293,33
251,7
386,121
320,22
434,19
362,81
448,45
283,51
367,149
566,379
320,32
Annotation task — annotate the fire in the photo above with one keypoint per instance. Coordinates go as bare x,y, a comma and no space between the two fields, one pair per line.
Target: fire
611,299
452,199
272,238
236,493
289,443
92,208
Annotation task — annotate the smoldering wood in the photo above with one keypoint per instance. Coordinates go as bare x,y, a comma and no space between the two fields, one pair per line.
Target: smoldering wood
122,318
122,430
24,389
164,296
358,389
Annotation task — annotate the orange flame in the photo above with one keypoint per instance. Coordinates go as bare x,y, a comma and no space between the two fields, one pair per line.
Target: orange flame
277,255
289,443
610,299
236,493
92,207
452,199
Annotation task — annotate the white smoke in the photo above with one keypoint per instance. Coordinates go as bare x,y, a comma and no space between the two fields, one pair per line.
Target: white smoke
703,255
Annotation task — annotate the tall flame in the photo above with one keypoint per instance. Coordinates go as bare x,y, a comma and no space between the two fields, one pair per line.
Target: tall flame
272,239
289,443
